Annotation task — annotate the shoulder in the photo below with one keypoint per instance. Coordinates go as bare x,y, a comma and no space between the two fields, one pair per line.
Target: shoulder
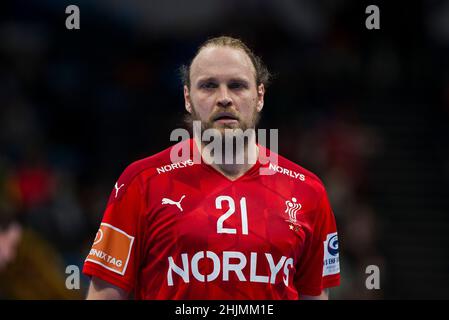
305,182
139,171
309,177
291,170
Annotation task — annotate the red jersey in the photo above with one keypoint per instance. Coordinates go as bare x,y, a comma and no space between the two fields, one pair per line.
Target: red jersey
185,231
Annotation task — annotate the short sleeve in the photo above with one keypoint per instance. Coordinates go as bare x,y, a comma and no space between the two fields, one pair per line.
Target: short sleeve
319,267
114,256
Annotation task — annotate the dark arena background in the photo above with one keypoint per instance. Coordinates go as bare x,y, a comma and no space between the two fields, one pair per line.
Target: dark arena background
366,110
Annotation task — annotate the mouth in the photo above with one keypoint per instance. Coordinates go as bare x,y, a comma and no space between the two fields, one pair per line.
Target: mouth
225,117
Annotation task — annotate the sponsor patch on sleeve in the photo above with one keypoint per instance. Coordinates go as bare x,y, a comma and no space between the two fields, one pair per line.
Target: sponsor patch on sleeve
111,249
331,263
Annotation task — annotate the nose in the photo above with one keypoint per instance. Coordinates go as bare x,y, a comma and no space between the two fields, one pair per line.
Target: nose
224,100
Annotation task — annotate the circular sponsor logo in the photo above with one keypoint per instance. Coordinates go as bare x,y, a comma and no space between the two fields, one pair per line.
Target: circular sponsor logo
98,236
332,245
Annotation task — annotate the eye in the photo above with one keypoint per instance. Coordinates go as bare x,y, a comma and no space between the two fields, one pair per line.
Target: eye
237,85
208,85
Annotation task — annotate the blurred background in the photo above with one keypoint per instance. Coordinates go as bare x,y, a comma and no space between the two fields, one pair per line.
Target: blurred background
367,111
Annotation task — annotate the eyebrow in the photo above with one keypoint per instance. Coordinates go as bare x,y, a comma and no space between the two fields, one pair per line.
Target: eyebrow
206,79
234,79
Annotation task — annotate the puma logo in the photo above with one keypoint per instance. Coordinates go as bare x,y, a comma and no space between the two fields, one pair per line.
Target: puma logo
117,188
169,201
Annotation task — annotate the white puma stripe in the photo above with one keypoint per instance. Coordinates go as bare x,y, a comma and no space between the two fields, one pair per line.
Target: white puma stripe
169,201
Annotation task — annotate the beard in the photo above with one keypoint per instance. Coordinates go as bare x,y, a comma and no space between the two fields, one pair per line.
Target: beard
238,130
189,118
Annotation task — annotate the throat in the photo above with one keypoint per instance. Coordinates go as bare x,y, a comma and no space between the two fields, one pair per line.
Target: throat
237,165
232,171
232,162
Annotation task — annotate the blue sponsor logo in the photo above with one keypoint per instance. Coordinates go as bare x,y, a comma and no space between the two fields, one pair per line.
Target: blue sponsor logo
332,245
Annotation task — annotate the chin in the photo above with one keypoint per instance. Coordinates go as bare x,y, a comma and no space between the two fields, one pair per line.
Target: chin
222,127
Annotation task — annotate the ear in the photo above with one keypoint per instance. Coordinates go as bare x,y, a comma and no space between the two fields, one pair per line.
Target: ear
187,102
260,96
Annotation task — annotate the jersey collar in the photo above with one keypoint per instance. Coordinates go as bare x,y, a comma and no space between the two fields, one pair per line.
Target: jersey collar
252,172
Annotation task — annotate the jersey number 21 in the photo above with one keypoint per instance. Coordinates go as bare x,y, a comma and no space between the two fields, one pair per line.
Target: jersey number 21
218,204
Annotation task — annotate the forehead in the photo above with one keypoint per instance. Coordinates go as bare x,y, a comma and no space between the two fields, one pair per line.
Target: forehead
222,62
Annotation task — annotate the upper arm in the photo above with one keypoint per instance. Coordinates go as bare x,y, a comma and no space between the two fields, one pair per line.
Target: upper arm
319,267
115,254
102,290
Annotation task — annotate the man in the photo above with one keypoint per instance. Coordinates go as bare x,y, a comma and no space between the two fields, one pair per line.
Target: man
214,229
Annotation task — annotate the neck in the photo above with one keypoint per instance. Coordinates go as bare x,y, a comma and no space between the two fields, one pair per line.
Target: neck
231,159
